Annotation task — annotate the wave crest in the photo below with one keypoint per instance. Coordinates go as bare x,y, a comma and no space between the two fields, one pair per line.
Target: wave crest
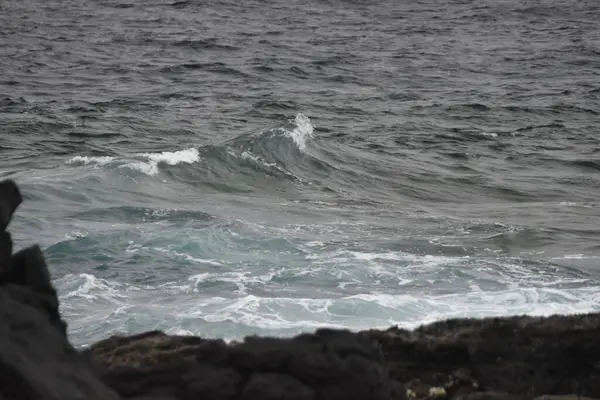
264,148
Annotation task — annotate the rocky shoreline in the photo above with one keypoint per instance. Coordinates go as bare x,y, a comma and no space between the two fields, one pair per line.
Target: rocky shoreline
519,357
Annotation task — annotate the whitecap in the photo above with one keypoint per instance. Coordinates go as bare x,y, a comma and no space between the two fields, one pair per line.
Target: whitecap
188,156
304,130
149,163
489,134
85,160
150,167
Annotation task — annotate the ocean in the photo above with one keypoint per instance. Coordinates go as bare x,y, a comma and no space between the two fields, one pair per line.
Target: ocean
226,168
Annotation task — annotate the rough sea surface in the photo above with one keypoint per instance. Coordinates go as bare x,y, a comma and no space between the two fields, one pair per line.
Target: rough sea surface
224,168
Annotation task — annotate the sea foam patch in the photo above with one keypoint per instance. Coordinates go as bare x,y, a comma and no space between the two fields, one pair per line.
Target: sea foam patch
234,315
255,287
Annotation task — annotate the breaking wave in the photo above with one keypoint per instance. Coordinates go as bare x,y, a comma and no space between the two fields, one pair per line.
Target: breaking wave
267,150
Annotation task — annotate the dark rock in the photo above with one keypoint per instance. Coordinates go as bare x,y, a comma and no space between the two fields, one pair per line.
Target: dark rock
271,386
563,397
29,279
490,396
157,397
512,358
332,364
520,355
45,303
206,382
37,362
314,369
10,198
29,269
6,247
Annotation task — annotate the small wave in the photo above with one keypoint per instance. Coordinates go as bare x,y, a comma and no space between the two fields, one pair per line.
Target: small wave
200,44
471,106
271,168
239,163
299,129
217,67
276,105
276,152
258,160
586,164
528,128
298,71
179,4
7,103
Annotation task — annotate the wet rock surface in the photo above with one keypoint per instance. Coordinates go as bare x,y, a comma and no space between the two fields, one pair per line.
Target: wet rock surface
553,358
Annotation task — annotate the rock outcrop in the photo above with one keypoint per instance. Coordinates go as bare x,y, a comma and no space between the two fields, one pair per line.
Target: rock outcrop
36,359
522,355
495,358
328,364
554,358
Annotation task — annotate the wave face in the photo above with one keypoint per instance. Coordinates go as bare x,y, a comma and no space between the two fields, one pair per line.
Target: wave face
219,170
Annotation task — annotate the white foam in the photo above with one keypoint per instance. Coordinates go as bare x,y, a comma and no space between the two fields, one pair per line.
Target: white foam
75,235
182,306
377,256
198,278
85,160
276,291
150,167
258,160
178,331
380,262
89,287
188,156
367,311
304,130
489,134
149,164
188,257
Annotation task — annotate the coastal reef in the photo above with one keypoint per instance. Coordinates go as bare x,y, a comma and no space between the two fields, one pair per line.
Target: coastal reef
520,357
